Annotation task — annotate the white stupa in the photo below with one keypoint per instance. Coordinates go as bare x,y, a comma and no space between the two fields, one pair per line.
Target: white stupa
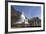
22,19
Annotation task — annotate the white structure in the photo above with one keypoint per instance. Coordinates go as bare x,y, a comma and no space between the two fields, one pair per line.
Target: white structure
22,19
26,21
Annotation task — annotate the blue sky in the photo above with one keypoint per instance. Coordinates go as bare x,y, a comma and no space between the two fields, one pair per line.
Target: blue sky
29,11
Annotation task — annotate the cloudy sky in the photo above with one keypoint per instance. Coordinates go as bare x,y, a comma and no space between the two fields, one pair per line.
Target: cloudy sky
29,11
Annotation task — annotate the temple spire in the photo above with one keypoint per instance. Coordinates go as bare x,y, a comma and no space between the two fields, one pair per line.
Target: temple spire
22,19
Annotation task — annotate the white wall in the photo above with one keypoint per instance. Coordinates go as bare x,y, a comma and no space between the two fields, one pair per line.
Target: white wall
2,18
2,13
